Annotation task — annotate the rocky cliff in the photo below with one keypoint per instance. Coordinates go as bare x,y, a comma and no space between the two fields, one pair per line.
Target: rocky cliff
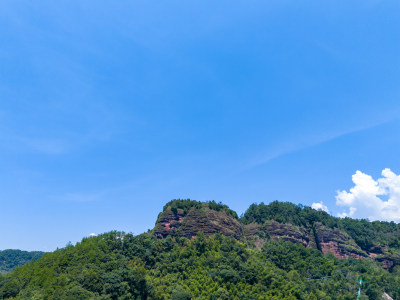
279,232
318,237
337,242
187,218
195,220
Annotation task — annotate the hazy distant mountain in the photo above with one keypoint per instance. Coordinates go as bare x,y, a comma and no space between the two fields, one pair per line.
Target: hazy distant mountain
10,259
205,251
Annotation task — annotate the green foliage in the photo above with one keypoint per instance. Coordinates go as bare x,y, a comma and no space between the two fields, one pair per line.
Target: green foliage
93,268
221,207
122,266
370,234
186,204
179,293
367,235
119,266
10,259
286,212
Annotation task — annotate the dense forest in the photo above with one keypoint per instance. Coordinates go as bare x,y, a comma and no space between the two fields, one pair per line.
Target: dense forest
10,259
365,233
119,265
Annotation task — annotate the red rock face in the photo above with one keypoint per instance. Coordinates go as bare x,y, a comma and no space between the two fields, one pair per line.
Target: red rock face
327,240
343,246
167,224
197,220
388,261
387,264
290,233
336,249
382,254
279,232
337,242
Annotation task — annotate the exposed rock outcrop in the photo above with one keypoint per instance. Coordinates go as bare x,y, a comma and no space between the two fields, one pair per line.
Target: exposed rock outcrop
388,261
337,242
203,220
320,237
280,232
210,218
386,297
168,222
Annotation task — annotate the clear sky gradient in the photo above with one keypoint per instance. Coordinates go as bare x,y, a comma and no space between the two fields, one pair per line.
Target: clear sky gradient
109,109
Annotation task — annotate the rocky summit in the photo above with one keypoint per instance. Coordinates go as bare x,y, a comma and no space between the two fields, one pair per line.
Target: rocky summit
204,250
283,222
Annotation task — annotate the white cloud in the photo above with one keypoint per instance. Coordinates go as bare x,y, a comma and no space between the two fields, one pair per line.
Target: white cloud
373,199
320,206
351,212
92,234
312,140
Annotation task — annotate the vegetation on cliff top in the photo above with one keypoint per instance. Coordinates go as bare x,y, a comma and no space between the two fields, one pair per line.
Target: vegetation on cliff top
116,265
186,204
380,238
366,234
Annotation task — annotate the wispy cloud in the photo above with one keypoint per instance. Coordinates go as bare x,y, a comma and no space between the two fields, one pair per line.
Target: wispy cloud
308,141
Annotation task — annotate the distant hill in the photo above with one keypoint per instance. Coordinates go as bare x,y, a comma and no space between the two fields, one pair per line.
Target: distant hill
201,250
10,259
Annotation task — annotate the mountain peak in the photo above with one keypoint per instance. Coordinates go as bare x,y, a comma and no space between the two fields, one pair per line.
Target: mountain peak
189,217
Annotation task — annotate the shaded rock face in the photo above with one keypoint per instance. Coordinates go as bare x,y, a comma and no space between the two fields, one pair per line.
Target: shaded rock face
387,264
343,246
388,261
319,237
337,242
290,233
280,232
381,254
167,223
197,220
208,221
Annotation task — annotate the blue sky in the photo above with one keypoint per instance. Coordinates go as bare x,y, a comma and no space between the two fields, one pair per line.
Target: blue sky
110,109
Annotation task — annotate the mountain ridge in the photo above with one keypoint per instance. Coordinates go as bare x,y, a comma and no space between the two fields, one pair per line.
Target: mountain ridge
203,250
283,221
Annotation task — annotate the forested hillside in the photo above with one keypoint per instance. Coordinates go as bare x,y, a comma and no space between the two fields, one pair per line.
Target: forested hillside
343,237
274,251
10,259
